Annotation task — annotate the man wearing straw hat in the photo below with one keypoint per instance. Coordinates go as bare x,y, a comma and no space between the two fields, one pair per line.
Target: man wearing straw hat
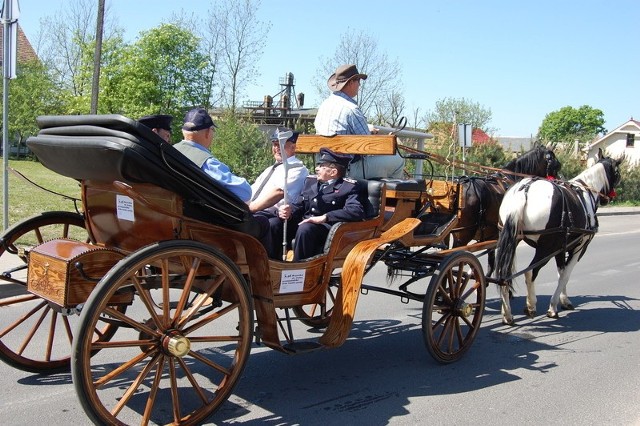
340,114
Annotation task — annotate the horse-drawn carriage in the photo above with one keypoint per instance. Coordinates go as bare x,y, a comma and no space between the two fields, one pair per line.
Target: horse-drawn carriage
154,295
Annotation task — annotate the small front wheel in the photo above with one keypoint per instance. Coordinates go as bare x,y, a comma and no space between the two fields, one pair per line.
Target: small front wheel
453,307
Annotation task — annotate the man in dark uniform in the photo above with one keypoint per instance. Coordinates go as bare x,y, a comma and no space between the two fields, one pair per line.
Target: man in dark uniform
327,198
158,123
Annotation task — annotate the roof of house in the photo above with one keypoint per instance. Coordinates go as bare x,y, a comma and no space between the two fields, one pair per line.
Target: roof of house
25,50
479,136
631,125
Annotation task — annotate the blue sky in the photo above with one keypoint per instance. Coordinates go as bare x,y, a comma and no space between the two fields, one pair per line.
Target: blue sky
521,59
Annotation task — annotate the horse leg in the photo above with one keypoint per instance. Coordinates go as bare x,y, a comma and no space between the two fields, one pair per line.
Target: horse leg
507,316
560,295
530,309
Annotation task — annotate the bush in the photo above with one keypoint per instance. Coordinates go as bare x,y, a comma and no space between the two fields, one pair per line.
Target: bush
628,191
242,146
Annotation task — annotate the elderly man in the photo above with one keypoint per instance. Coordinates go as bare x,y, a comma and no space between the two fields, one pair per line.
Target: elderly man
327,198
198,131
159,124
268,189
340,114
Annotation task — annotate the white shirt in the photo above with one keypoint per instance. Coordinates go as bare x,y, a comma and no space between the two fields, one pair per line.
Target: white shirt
296,175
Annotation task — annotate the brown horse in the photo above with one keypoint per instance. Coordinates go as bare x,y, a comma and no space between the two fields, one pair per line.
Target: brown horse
482,196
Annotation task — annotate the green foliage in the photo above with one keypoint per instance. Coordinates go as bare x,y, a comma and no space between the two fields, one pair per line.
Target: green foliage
31,94
487,154
569,124
629,188
571,166
461,110
242,146
164,71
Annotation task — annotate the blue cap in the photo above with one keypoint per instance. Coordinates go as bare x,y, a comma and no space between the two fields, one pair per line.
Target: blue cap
197,119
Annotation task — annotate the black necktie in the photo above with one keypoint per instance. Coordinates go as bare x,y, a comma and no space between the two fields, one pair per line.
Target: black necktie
264,182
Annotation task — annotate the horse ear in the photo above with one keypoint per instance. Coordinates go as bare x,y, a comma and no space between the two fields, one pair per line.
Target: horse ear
600,154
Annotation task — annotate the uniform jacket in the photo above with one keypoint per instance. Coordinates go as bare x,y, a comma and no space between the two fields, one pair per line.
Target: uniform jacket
339,200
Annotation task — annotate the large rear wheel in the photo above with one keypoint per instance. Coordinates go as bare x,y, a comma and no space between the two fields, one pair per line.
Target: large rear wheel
35,335
453,307
180,348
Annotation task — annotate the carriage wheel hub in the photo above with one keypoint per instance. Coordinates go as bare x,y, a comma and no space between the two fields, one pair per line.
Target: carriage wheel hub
465,310
176,344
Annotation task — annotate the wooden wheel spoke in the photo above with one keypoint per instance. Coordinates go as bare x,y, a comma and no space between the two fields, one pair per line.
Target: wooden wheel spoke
33,330
166,300
193,381
38,235
109,344
131,390
207,319
121,369
196,306
133,323
210,363
67,329
188,284
146,300
153,393
22,319
175,397
52,335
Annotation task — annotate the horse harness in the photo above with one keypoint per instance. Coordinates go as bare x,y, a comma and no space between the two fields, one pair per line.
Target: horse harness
569,192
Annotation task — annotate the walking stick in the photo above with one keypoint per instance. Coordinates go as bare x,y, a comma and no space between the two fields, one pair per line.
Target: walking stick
282,139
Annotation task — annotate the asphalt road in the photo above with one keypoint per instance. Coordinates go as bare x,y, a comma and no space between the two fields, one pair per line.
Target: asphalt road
581,369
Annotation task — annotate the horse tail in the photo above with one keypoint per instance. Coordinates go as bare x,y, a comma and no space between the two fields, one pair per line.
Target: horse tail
507,239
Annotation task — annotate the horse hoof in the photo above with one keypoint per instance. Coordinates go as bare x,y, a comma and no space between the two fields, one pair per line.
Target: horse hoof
568,307
510,322
553,315
530,313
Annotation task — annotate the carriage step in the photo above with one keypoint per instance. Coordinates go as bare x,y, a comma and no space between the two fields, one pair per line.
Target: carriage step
302,347
434,224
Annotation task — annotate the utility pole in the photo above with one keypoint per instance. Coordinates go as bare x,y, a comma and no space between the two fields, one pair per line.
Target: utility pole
97,54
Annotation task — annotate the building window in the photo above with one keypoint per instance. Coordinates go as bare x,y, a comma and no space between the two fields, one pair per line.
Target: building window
630,140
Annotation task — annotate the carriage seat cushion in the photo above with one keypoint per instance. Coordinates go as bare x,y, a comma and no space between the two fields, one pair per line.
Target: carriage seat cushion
371,197
404,185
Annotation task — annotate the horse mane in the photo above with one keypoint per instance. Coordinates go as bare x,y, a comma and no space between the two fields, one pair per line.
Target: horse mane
595,177
527,162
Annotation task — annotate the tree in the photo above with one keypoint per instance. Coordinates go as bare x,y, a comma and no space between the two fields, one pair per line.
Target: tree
164,71
453,111
379,93
569,124
32,93
235,41
63,43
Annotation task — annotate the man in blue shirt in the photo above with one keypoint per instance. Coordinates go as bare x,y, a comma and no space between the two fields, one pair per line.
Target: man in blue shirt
340,114
198,131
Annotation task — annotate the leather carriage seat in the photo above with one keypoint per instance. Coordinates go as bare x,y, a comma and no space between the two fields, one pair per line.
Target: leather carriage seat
405,184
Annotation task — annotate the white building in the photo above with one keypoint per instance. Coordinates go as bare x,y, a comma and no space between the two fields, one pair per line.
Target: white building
618,142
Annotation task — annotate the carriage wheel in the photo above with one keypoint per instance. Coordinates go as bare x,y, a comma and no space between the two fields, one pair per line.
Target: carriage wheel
453,307
182,345
318,315
35,336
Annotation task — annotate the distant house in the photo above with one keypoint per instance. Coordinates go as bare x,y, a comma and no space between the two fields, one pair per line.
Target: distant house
25,50
618,142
